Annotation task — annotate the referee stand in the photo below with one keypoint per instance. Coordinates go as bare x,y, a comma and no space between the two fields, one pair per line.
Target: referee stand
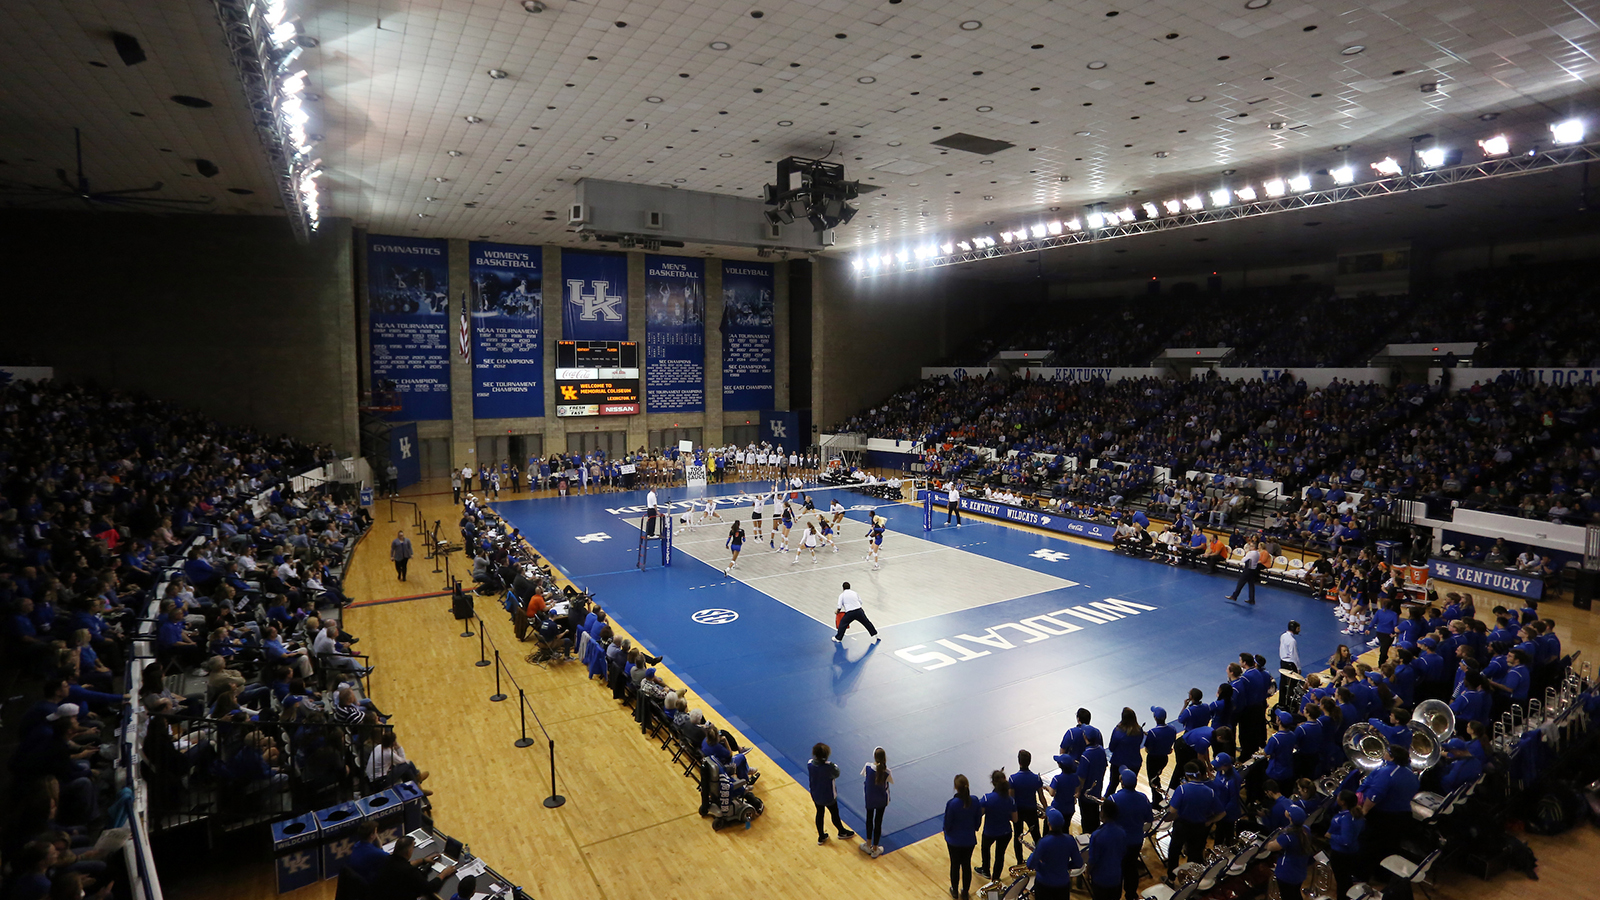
664,539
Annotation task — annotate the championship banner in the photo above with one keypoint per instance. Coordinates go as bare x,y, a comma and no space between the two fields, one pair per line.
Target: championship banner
748,368
408,306
594,296
675,334
507,330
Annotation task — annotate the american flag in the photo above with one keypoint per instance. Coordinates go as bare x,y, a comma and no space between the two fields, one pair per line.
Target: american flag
464,343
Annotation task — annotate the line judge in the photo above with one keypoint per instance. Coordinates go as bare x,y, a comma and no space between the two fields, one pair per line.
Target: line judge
850,610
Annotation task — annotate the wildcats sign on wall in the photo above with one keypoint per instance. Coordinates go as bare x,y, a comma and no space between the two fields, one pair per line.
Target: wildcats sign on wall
675,334
507,330
594,296
408,300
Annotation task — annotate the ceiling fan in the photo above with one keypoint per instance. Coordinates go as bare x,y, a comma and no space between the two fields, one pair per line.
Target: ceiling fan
15,194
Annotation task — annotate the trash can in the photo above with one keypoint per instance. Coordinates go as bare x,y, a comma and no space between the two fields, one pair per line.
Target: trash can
294,849
385,809
411,798
1388,551
338,825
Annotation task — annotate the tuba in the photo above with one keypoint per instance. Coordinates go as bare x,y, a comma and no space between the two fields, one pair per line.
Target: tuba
1437,717
1425,749
1366,746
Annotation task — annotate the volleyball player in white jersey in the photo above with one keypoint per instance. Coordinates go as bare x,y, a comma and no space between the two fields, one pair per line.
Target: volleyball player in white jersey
708,511
837,510
808,541
756,502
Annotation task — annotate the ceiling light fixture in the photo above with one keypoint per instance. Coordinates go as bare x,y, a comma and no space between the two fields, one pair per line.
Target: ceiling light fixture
473,120
1097,65
1386,167
1344,174
1194,204
971,25
1173,207
720,45
608,137
1488,117
1247,194
784,123
1352,50
498,74
1569,132
652,99
1274,188
1221,197
440,179
452,152
1495,146
533,6
985,109
1257,4
1431,158
1198,98
866,79
1300,184
1151,211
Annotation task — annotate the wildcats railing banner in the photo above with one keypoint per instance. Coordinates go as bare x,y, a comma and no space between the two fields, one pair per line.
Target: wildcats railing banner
408,312
675,334
594,296
748,366
507,330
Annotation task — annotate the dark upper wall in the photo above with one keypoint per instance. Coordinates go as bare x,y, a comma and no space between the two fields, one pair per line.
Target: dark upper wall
223,313
872,335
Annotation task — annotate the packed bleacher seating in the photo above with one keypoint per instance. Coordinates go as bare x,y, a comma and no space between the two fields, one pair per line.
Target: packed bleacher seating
166,588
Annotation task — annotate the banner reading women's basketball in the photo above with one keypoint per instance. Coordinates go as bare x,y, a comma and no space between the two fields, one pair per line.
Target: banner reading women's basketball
675,334
408,302
507,330
594,296
748,365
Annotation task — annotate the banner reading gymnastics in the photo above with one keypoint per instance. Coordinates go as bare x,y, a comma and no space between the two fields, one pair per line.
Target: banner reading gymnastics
594,296
747,336
507,330
675,334
408,300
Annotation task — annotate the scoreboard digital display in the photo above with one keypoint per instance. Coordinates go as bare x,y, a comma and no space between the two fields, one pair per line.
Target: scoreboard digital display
597,378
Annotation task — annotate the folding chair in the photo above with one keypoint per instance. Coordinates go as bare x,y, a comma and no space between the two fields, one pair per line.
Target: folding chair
1416,873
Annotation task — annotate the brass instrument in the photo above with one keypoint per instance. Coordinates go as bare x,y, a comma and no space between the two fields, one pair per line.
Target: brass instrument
1425,750
1366,747
1437,717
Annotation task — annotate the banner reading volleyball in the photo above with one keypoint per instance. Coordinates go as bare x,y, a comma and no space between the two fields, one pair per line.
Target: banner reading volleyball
748,365
675,334
507,330
594,296
408,303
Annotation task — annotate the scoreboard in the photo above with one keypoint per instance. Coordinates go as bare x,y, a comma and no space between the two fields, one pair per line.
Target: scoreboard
597,378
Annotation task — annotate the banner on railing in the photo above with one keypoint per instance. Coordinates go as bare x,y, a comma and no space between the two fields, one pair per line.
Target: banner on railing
1037,517
1498,580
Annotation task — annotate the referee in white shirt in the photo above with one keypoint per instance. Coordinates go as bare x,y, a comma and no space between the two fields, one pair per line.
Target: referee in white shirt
652,511
1288,658
1250,574
850,611
953,510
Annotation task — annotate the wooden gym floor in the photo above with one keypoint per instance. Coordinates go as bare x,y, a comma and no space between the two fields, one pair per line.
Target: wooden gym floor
629,829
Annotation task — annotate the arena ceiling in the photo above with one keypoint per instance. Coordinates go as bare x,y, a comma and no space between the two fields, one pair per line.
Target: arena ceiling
1097,99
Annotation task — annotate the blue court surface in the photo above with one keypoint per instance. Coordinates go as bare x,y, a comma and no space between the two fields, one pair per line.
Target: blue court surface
992,637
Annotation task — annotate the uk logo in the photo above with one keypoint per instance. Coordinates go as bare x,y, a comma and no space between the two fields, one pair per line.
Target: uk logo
1050,555
405,448
714,616
597,305
779,429
593,537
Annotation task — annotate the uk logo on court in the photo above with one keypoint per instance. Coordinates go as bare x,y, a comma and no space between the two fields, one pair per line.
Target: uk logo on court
1049,555
593,537
715,616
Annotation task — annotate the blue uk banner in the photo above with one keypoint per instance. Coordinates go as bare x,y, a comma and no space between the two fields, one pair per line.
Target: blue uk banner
408,300
675,334
748,366
507,330
594,296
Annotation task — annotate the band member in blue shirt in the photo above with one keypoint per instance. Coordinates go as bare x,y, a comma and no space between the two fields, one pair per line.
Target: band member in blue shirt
1194,808
1107,849
962,815
1158,748
1027,790
1133,817
999,820
1054,860
1294,855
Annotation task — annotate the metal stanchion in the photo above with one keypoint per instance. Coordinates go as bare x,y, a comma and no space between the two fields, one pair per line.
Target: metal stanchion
498,694
482,659
522,707
555,799
391,510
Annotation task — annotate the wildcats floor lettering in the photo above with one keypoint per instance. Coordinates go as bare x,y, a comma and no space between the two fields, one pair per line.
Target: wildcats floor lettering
1032,629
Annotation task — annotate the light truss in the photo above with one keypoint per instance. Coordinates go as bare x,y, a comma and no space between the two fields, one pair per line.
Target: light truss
1500,167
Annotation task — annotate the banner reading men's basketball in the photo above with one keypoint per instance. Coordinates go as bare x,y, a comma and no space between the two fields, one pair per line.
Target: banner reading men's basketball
408,301
507,330
747,343
675,334
594,296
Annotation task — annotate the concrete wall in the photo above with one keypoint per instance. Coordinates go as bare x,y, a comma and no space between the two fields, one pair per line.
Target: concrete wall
226,314
870,336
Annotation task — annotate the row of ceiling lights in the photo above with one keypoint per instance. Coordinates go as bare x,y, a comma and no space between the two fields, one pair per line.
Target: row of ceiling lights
1571,131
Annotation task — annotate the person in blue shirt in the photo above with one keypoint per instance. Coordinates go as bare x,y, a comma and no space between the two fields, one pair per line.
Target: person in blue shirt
1065,787
1386,796
1194,808
1157,744
1294,855
1517,679
467,885
1280,749
1027,789
1344,841
1385,622
1054,860
1077,737
1308,748
1196,713
824,794
1474,703
1225,784
1124,743
999,822
875,779
1091,778
1224,709
1107,848
1133,816
1464,768
1275,804
366,857
962,815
